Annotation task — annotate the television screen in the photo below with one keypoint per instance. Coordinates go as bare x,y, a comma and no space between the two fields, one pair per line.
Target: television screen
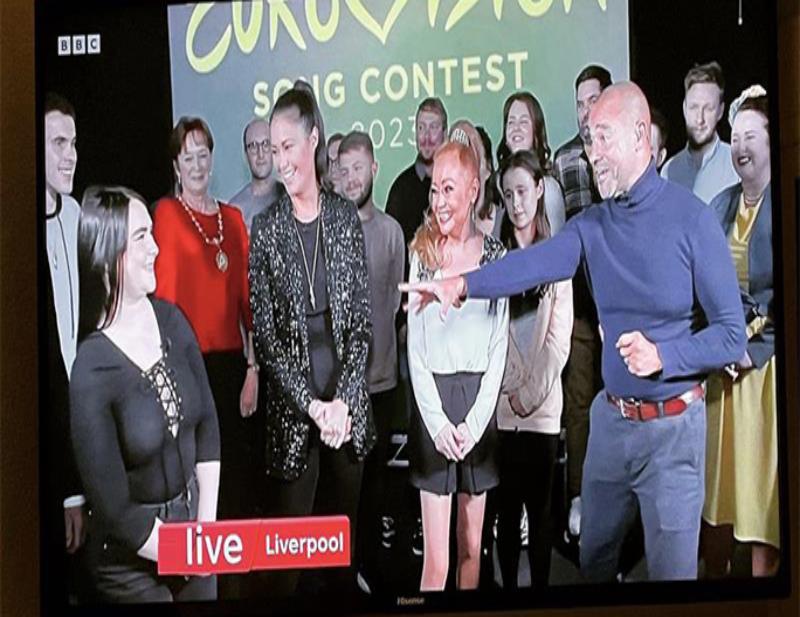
396,306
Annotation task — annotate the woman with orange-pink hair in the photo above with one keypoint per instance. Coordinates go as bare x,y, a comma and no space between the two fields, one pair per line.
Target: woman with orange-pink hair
456,364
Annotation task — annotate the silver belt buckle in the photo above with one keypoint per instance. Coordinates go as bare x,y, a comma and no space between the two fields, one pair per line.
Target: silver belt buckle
631,401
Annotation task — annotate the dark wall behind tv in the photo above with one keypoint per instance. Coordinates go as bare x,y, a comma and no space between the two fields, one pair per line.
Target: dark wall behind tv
123,131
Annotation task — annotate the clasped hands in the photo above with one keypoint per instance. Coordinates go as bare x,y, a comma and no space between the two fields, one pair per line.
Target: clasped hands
334,421
454,442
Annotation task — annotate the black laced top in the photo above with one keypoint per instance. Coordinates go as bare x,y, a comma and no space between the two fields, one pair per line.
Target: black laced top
137,435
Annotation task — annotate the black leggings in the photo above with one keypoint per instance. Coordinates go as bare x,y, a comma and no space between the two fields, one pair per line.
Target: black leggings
527,467
330,485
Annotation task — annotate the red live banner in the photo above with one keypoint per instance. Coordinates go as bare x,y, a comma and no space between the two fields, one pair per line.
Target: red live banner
228,547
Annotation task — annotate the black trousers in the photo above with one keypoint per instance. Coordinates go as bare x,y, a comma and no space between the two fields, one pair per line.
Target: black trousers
121,576
527,468
377,498
330,485
241,439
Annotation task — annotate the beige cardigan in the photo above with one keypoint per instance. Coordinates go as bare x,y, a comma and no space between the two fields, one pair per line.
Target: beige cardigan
538,383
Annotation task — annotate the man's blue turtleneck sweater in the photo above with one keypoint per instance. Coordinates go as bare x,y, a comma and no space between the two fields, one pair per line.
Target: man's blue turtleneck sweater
659,263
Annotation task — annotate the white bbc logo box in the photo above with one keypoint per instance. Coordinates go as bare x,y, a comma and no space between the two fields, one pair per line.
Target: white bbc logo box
78,44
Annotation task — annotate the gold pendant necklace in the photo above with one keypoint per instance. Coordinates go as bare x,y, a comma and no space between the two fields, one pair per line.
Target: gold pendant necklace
221,258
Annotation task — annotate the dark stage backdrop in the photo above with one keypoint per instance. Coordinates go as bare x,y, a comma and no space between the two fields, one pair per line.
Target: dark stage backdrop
669,37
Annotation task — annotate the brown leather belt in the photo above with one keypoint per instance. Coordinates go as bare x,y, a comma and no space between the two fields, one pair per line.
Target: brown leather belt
642,411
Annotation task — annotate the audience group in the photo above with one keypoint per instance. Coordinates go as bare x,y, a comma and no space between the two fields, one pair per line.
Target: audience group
249,358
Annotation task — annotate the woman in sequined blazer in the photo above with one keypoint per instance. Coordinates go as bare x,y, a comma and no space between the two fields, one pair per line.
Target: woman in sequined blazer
311,315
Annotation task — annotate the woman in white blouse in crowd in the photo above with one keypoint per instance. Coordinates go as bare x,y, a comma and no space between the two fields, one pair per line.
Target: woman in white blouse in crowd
456,365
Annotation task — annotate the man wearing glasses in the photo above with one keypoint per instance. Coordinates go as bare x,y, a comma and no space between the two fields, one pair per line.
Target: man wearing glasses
263,189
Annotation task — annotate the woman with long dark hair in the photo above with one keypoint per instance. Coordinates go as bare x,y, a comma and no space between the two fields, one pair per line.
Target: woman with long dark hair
531,399
456,367
144,427
311,314
524,129
202,268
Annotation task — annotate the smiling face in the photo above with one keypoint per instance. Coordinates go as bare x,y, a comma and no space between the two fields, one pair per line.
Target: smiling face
61,157
521,195
702,110
750,146
140,253
193,164
454,189
293,151
430,133
519,127
258,150
356,173
619,127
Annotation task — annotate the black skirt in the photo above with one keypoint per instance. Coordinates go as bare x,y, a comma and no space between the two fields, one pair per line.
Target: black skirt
430,470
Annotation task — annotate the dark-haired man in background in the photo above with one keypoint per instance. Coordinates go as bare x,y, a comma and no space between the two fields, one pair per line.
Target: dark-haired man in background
408,197
570,164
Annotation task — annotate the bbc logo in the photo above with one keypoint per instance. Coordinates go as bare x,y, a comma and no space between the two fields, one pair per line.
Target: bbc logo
79,44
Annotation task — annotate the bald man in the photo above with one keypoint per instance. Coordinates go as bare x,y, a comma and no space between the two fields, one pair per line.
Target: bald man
668,302
263,189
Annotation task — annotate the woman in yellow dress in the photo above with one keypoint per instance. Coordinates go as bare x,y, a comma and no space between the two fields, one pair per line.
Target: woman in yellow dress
741,465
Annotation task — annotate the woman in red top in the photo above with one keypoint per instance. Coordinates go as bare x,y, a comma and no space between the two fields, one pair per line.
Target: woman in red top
202,267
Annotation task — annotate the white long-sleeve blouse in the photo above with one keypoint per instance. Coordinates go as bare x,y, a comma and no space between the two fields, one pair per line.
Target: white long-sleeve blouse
472,338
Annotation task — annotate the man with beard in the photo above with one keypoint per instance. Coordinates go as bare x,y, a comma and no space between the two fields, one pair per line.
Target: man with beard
704,166
582,375
263,189
408,197
385,251
668,301
570,164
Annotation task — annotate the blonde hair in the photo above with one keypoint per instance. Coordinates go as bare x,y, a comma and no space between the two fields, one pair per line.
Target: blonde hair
428,242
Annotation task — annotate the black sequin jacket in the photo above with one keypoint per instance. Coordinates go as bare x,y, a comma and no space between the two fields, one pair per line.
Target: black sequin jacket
281,334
